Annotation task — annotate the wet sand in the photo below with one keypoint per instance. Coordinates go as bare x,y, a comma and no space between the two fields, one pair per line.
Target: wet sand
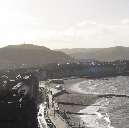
75,96
73,86
69,84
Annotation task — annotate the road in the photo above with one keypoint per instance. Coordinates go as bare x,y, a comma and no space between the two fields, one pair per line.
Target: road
41,118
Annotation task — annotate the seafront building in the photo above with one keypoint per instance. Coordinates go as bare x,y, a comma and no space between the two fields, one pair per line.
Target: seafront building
104,68
92,68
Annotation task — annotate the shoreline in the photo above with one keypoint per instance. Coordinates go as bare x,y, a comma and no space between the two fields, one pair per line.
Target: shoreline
69,84
75,97
72,86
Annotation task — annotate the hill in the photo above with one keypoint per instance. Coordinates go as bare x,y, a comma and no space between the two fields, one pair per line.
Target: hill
102,54
30,55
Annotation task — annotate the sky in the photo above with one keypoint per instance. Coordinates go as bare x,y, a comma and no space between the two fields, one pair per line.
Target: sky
65,23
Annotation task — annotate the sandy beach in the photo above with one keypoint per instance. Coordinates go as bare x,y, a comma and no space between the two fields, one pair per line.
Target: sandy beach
71,85
101,118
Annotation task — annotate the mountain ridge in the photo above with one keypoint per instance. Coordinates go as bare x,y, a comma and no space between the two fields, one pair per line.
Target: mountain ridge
101,54
29,54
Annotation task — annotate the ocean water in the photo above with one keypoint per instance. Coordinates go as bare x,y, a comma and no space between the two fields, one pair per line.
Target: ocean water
111,112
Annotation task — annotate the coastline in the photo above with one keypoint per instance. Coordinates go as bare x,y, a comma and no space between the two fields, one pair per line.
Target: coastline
90,120
71,85
75,96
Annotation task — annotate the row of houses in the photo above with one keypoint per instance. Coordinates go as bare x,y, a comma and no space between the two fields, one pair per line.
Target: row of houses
104,69
92,68
80,69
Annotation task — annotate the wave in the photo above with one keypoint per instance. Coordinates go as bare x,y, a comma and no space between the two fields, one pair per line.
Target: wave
101,119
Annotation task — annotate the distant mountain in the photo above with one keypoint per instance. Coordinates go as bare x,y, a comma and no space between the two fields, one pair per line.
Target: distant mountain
30,55
102,54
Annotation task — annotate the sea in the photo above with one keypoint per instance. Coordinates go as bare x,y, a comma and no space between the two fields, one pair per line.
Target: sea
106,112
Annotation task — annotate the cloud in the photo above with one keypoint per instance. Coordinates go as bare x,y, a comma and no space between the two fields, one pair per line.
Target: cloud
93,34
86,33
125,21
86,23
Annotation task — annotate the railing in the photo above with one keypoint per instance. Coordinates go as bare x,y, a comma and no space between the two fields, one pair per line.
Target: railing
64,120
64,117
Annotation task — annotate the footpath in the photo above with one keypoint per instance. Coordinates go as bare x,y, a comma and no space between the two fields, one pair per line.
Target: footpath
58,121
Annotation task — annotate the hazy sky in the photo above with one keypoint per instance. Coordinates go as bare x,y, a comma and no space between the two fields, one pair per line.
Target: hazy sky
65,23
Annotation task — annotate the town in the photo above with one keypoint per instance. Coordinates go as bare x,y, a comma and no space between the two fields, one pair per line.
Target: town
41,90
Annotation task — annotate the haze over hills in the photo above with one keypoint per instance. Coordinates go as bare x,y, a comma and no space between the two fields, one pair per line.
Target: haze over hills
102,54
29,55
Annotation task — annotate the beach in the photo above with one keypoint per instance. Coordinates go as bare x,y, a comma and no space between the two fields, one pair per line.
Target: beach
76,96
91,120
73,85
105,112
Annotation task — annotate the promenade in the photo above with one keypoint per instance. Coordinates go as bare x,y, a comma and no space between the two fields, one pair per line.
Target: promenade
56,119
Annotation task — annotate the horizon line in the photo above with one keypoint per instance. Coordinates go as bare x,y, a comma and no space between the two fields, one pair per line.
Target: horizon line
60,48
